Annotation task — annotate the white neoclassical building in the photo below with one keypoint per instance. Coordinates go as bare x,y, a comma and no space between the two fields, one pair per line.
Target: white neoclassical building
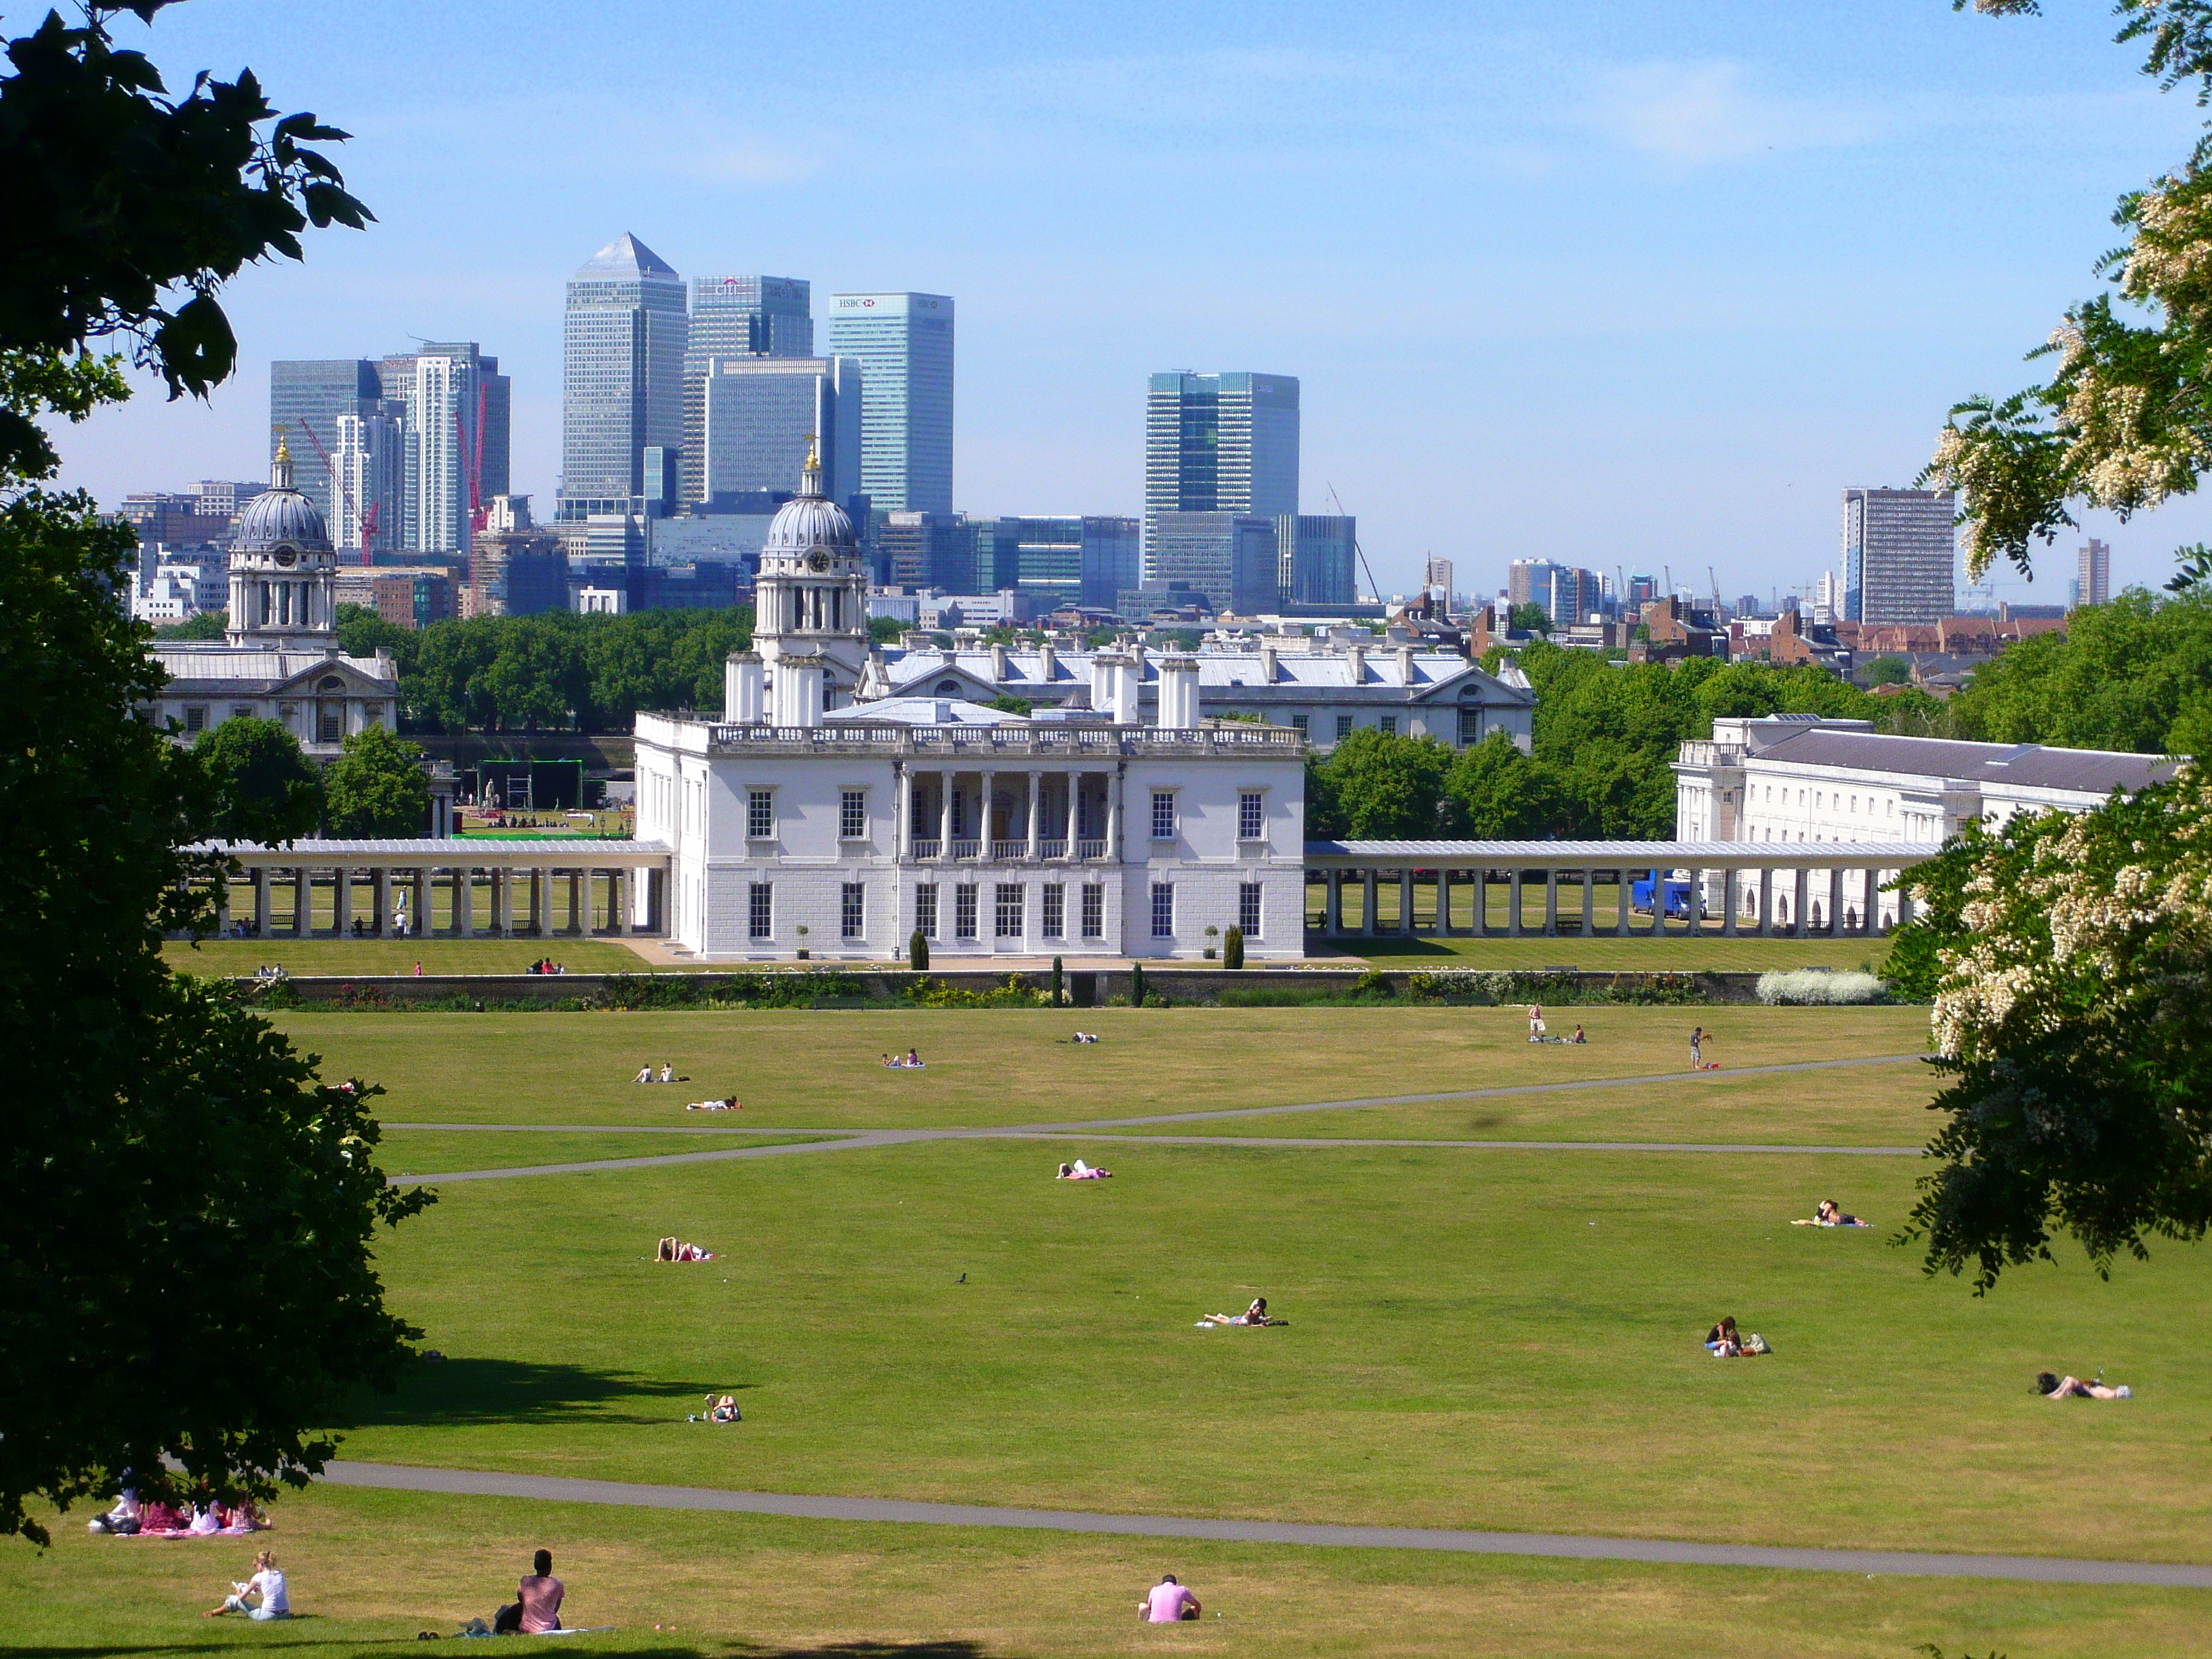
279,658
1802,778
793,826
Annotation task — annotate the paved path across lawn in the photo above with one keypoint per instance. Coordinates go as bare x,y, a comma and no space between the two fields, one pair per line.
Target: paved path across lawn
2053,1570
847,1139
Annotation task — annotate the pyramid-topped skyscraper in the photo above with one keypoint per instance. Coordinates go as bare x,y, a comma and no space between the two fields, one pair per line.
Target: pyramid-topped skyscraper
622,376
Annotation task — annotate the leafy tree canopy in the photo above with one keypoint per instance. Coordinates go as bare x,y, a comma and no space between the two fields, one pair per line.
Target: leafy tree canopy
2126,420
2135,674
272,793
376,787
1530,619
2073,958
207,625
559,669
1889,670
1374,786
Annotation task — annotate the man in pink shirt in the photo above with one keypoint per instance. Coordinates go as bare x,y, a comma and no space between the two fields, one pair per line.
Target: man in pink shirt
1168,1602
541,1595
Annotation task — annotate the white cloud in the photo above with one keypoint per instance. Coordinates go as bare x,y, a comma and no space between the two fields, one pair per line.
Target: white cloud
1688,115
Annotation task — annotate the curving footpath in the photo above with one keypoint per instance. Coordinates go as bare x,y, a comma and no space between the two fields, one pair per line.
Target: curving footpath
2048,1570
848,1140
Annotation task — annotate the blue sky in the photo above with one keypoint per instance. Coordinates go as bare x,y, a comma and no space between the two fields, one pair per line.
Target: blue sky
1626,287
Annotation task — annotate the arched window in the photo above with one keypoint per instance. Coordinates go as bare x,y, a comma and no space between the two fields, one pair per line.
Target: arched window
948,687
330,683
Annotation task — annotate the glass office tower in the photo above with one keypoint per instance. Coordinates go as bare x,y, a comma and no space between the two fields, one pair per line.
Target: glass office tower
758,414
1219,443
737,317
623,344
1899,556
306,399
904,343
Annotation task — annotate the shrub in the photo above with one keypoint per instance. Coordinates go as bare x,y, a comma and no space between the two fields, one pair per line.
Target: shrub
1374,983
1233,948
1815,985
1136,985
917,952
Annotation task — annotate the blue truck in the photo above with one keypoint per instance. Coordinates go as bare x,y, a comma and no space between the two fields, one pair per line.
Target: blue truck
1677,895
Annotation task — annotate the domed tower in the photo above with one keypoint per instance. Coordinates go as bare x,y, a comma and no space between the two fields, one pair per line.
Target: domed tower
810,598
283,571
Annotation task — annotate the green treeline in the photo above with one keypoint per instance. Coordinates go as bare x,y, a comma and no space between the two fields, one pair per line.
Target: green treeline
1606,733
2135,674
557,671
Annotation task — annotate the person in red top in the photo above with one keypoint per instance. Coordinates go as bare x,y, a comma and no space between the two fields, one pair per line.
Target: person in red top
541,1593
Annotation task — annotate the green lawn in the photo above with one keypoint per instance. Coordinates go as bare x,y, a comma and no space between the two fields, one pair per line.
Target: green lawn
369,1570
1001,1066
231,957
1673,954
1477,1339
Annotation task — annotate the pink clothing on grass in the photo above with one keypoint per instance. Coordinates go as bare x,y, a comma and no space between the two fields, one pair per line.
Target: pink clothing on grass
1168,1602
541,1604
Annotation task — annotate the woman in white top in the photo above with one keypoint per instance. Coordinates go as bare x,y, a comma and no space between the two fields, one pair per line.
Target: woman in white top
267,1583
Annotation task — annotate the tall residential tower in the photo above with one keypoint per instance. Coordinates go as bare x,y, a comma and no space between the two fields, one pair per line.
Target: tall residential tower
904,344
1898,555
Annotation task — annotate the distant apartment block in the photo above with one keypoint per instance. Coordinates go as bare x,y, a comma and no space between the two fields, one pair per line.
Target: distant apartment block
2093,582
1900,554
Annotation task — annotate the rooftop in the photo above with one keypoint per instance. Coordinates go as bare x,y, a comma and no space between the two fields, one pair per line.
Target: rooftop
2025,765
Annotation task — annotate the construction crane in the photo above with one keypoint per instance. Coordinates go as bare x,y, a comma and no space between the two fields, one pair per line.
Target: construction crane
1715,582
367,519
478,516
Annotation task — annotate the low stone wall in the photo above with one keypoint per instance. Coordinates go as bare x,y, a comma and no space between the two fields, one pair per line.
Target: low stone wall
1085,989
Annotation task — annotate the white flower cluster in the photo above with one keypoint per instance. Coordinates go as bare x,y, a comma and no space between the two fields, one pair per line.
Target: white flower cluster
2067,934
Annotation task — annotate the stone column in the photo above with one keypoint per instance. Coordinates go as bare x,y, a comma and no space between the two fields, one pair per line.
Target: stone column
1333,903
223,903
576,902
422,901
1797,924
1727,901
1114,815
983,841
944,815
1589,904
1513,903
1873,913
1836,902
1480,881
342,901
1036,805
261,907
1658,902
502,901
1621,913
1551,903
905,842
383,901
1766,904
536,926
1075,823
1367,909
618,917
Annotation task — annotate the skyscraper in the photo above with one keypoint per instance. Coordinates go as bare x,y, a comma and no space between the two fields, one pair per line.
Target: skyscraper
1437,577
738,317
757,415
2093,583
1219,443
1898,555
904,343
622,362
451,402
1230,557
1315,556
370,460
306,398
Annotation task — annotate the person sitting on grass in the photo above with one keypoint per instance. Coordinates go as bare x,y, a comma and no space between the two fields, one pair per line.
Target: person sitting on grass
1578,1037
1255,1314
2072,1387
536,1609
1086,1037
1167,1603
1723,1340
1827,1215
724,1410
122,1519
667,1073
266,1586
913,1060
675,1249
644,1073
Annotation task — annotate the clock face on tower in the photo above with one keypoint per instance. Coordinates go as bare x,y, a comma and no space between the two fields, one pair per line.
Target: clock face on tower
817,560
284,556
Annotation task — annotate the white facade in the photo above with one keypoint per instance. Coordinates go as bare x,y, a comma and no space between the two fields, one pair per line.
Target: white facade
1800,778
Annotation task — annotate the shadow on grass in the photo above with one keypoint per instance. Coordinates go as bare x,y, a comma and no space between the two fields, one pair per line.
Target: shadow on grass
462,1392
948,1647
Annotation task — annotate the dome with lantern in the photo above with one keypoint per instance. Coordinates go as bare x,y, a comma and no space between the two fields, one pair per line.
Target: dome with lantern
280,517
810,522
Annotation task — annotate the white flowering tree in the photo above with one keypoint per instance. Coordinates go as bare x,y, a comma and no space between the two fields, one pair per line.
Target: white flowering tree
2126,420
2073,1019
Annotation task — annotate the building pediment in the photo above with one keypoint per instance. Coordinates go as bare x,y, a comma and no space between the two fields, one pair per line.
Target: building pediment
353,680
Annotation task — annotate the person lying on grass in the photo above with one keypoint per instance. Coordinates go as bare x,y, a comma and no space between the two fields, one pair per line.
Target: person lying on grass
1079,1171
266,1586
675,1249
727,1104
2072,1387
1255,1314
724,1410
1827,1215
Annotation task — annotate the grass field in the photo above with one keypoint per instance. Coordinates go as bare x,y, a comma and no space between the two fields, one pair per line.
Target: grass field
232,957
1486,1338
